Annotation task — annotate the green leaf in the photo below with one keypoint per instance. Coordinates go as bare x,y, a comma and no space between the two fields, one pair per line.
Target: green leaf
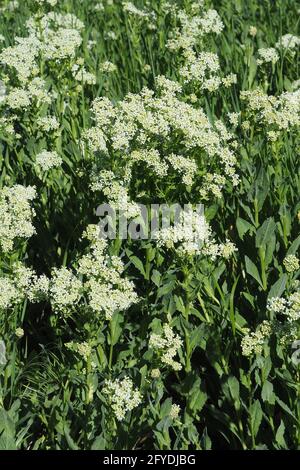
256,415
231,306
252,270
294,246
7,431
243,227
278,288
280,435
286,409
138,264
197,337
156,277
234,387
166,288
265,232
115,328
252,71
7,442
71,443
99,443
261,188
267,393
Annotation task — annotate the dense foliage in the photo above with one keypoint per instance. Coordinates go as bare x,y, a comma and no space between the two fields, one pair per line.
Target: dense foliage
186,340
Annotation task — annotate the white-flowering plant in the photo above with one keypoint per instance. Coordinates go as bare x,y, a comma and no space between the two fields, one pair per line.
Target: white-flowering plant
165,346
122,396
96,284
16,215
174,322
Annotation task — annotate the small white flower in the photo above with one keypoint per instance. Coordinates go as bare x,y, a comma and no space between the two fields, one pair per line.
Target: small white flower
47,160
291,263
166,346
16,215
122,396
175,410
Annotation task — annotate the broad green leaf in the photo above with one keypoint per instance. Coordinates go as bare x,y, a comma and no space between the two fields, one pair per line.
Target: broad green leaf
294,246
252,270
234,387
115,327
99,443
156,277
285,407
256,415
138,264
7,442
278,288
280,435
243,227
267,393
265,232
71,443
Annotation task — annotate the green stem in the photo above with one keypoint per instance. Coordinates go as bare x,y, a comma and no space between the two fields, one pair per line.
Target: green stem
111,348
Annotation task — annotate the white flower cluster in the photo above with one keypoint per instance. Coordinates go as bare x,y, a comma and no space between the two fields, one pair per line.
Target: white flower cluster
53,36
289,308
97,282
122,396
253,342
106,291
286,331
166,346
47,160
57,35
84,349
152,159
184,166
291,263
130,8
223,250
22,57
198,67
16,215
234,118
7,125
289,42
188,235
135,127
253,31
267,55
19,332
174,412
99,6
33,92
48,123
50,2
192,235
82,75
22,284
116,192
145,16
282,112
201,68
107,67
194,27
65,291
